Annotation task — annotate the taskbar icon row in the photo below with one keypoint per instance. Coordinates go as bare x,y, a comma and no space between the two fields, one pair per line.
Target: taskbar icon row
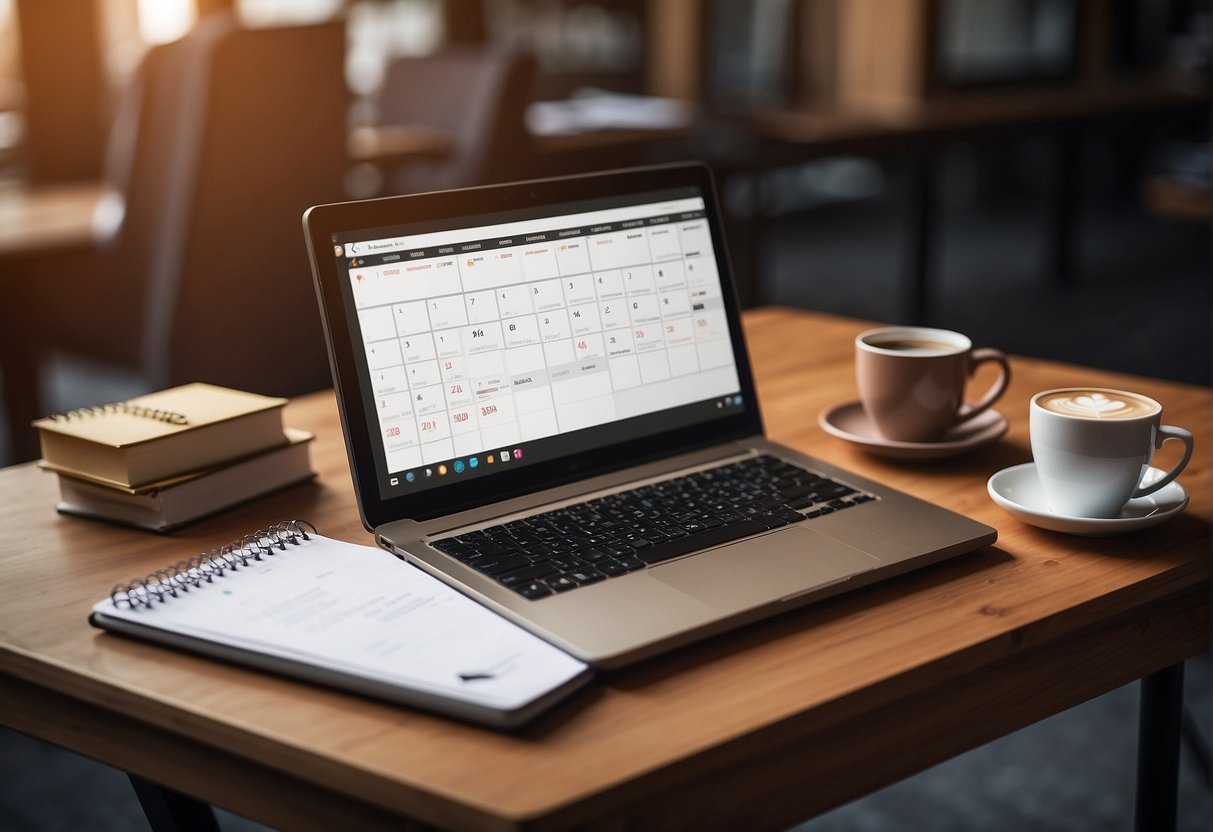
457,466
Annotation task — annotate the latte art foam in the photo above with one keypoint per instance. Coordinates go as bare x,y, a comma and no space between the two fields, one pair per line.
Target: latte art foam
1096,404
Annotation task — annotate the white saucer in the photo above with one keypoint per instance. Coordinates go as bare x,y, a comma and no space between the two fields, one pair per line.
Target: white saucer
849,422
1017,490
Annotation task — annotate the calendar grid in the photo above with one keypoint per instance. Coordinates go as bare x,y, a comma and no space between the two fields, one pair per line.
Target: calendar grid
472,351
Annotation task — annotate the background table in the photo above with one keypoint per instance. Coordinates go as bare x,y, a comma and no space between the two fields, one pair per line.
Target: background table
764,726
48,217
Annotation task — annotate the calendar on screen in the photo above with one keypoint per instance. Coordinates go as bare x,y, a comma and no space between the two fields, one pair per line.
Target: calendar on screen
483,342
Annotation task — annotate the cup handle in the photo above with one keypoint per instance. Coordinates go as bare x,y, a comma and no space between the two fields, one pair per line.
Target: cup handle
1166,432
976,358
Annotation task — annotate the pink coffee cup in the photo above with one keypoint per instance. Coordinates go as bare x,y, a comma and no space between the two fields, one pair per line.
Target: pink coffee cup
912,380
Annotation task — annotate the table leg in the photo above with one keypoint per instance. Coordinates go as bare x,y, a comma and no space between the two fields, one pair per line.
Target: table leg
1063,207
20,369
751,286
170,811
920,219
1161,713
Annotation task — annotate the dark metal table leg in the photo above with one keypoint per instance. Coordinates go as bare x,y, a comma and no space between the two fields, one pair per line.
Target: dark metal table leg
1064,206
1158,749
920,232
754,290
170,811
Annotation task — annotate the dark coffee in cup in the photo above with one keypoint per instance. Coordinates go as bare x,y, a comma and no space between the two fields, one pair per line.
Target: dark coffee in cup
915,344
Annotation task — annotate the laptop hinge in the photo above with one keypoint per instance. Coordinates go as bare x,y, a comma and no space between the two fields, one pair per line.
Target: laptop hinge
585,490
398,530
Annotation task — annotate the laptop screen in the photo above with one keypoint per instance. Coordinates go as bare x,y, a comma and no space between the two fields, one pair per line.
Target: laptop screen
489,343
528,335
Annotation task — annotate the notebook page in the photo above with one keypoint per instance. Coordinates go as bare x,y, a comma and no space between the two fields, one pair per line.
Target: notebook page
360,610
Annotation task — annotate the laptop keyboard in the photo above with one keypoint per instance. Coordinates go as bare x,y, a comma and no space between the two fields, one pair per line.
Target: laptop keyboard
603,538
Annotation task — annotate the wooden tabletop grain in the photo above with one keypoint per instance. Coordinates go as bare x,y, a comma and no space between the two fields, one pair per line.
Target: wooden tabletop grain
764,726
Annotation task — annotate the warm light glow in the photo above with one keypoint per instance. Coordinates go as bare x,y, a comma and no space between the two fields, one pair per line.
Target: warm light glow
284,12
161,21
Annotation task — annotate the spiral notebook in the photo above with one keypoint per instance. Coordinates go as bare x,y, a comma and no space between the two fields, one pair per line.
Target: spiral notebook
288,600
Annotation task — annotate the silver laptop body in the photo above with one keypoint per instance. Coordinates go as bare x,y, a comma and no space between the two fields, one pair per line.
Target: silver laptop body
568,385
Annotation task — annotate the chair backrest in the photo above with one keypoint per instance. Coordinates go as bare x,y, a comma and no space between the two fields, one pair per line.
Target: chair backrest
141,147
138,164
260,136
479,96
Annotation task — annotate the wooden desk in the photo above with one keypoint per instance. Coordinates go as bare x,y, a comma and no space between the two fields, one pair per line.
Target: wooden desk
968,113
559,154
392,144
388,143
848,695
916,131
47,217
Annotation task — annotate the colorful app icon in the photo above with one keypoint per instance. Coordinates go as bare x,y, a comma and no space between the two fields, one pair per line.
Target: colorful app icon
442,470
489,459
338,250
518,453
429,472
410,476
458,466
473,462
505,456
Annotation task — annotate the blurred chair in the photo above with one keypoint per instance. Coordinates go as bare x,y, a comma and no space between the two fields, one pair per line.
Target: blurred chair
263,128
479,97
221,143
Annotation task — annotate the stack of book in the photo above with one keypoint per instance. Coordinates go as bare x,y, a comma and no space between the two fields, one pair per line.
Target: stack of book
166,459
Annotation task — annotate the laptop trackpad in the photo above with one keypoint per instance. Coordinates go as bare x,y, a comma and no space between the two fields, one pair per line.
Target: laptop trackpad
788,562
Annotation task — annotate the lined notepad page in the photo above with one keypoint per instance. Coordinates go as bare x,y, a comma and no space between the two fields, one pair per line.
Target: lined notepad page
361,611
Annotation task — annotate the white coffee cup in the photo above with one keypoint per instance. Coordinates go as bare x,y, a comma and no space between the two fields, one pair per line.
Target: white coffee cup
1092,447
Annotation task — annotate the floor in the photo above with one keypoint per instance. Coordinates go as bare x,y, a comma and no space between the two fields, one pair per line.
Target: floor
1141,304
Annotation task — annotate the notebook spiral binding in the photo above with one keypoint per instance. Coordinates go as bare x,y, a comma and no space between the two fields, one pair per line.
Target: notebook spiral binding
192,573
130,408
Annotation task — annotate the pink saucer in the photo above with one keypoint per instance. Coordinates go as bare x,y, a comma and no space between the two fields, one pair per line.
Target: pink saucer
848,422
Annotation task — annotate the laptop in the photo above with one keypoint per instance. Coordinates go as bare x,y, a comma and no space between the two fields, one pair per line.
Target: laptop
547,402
